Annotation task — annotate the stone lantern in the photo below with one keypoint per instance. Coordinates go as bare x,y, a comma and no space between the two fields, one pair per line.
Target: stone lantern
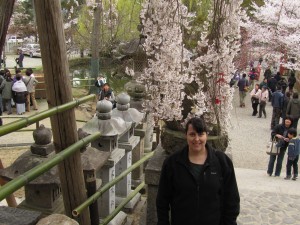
132,146
44,193
113,130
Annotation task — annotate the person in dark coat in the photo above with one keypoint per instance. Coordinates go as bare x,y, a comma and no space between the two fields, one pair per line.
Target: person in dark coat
7,93
20,59
243,84
277,104
293,155
291,81
286,101
272,84
278,76
197,184
280,131
268,73
283,84
293,109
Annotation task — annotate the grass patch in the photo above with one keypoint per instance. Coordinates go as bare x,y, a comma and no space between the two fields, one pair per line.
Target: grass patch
79,92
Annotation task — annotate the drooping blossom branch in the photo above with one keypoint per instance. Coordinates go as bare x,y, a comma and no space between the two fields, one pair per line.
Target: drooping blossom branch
217,47
168,59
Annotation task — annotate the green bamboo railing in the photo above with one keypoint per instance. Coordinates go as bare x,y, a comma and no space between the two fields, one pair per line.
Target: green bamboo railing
76,212
30,175
123,203
19,124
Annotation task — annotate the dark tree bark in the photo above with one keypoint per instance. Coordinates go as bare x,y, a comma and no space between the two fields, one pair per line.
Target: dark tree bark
56,72
6,10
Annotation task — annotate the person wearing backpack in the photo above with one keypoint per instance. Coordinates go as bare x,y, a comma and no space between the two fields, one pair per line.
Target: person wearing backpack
293,109
197,184
100,83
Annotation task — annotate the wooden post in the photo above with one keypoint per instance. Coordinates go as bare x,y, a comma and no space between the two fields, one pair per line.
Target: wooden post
6,9
58,89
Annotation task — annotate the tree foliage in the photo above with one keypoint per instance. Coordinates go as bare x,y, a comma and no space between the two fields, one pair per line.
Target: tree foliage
275,32
22,21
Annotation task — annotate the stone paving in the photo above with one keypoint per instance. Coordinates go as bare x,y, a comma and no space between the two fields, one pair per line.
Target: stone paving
269,208
264,200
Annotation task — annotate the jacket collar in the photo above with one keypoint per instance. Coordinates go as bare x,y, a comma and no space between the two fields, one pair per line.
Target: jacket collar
183,158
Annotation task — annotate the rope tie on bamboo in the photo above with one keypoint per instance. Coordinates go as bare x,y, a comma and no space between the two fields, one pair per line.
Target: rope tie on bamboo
77,102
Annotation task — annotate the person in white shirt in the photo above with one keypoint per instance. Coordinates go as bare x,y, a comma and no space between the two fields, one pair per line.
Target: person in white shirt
255,93
264,96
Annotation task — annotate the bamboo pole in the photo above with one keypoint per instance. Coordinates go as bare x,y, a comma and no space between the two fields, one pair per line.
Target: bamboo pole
123,203
10,199
76,212
56,71
24,122
30,175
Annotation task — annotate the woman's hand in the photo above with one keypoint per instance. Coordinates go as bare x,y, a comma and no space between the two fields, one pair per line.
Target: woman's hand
279,136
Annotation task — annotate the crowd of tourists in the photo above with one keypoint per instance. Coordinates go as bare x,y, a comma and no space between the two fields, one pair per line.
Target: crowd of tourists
285,103
17,91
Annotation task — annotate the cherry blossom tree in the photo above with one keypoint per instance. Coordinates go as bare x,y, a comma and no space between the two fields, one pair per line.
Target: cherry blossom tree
168,59
275,31
217,48
171,65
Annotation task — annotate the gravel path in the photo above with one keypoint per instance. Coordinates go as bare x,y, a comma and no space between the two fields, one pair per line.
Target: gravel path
249,135
264,200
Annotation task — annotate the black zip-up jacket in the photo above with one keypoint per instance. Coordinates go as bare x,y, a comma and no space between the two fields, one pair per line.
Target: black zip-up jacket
282,130
213,201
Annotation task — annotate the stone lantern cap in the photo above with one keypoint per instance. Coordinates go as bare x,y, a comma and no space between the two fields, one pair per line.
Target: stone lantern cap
111,127
135,89
126,113
27,161
103,122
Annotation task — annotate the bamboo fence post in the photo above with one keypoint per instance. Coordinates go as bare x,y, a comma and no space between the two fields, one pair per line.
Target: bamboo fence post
58,89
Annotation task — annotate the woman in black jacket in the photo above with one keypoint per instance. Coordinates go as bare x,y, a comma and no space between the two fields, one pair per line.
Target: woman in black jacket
280,131
197,184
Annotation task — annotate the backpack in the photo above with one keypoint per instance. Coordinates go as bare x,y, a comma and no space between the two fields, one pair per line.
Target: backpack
252,76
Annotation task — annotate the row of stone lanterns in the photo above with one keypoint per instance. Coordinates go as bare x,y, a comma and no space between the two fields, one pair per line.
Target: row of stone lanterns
122,139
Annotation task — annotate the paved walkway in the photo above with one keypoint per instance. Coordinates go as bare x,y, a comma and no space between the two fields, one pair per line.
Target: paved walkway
264,199
26,138
27,62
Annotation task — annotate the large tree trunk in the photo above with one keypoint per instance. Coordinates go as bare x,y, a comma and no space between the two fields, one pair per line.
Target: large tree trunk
6,10
95,44
56,70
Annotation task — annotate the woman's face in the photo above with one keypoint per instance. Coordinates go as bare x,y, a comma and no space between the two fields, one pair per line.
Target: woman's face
196,141
287,123
105,87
